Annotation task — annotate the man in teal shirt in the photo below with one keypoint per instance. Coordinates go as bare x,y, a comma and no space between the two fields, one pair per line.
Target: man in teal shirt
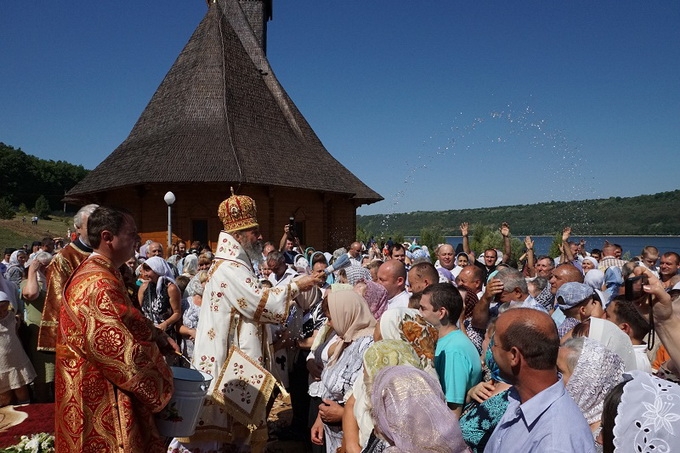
456,359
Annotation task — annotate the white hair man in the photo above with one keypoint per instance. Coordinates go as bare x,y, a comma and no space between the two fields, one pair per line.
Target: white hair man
58,272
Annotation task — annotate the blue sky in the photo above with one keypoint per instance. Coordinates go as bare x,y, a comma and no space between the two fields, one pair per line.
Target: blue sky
435,105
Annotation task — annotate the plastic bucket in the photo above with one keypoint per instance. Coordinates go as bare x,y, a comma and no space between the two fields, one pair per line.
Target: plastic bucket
179,417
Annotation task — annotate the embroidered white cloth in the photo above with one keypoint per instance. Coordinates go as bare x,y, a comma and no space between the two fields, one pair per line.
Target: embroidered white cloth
648,416
235,310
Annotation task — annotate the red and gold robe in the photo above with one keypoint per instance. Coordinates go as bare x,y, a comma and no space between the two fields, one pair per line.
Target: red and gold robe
110,375
58,272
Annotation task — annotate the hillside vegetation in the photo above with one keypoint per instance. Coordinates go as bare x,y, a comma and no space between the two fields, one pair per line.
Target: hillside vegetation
26,178
642,215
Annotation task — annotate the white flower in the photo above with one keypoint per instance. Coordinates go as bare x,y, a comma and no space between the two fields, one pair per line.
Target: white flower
659,414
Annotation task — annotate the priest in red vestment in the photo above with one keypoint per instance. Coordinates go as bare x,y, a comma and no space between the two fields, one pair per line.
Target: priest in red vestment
111,376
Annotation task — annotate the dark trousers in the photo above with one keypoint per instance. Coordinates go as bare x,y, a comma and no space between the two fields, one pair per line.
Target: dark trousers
299,395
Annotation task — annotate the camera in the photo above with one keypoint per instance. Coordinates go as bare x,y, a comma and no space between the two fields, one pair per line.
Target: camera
291,228
634,287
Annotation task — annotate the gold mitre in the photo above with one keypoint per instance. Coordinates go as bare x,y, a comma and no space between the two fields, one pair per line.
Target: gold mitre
238,212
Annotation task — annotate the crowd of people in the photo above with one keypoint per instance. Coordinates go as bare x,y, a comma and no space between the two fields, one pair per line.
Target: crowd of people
381,346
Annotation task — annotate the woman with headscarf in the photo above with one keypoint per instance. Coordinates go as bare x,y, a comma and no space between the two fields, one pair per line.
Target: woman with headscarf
375,295
589,263
159,297
16,371
191,307
406,324
641,414
357,424
16,270
595,279
589,371
33,291
611,337
462,260
350,318
190,265
486,402
410,412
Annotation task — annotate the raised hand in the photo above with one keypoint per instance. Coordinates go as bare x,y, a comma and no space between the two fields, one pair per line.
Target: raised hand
566,233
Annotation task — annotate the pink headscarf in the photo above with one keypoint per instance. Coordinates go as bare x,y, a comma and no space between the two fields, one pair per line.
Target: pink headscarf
410,411
376,298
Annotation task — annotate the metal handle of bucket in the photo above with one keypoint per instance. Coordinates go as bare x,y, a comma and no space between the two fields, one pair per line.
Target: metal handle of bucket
191,366
206,384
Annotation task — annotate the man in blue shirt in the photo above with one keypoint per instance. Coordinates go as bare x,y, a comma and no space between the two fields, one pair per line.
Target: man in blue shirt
456,358
541,416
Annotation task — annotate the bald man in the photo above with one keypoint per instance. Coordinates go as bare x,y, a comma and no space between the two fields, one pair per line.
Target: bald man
541,416
392,275
446,256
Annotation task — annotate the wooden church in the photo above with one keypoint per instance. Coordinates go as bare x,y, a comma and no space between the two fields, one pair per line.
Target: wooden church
221,119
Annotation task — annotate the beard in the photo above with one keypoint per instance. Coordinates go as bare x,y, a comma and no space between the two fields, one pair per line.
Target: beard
253,250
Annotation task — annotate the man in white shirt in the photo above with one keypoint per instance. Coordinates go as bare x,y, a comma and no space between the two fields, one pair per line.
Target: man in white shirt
624,314
392,275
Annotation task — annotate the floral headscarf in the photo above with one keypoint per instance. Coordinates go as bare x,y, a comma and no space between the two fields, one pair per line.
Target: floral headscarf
386,353
407,325
410,412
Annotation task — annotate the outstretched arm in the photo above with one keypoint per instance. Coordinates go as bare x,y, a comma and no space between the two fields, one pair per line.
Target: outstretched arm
566,249
665,310
507,250
464,232
531,259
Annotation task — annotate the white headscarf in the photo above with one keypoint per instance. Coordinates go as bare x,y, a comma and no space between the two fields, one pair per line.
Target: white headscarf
648,416
612,337
162,269
594,278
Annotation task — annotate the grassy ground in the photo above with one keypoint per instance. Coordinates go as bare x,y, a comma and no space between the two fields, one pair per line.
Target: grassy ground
16,232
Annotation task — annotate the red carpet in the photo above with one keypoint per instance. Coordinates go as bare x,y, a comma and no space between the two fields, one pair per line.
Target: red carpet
40,420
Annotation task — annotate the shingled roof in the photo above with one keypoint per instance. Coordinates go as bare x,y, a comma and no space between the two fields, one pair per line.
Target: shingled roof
220,115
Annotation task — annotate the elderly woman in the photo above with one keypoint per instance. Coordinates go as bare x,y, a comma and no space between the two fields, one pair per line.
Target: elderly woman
357,425
159,296
375,295
16,270
190,266
33,291
410,412
191,307
589,263
350,318
611,337
16,371
589,371
397,325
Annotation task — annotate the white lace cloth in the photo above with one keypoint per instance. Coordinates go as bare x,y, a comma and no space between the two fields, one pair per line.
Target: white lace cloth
648,418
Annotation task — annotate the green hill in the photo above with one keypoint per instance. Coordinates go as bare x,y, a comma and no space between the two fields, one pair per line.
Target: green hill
656,214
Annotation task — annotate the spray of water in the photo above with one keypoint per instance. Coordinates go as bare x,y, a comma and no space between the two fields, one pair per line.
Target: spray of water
518,130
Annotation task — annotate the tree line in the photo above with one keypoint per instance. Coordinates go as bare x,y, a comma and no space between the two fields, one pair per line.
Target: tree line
28,181
642,215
